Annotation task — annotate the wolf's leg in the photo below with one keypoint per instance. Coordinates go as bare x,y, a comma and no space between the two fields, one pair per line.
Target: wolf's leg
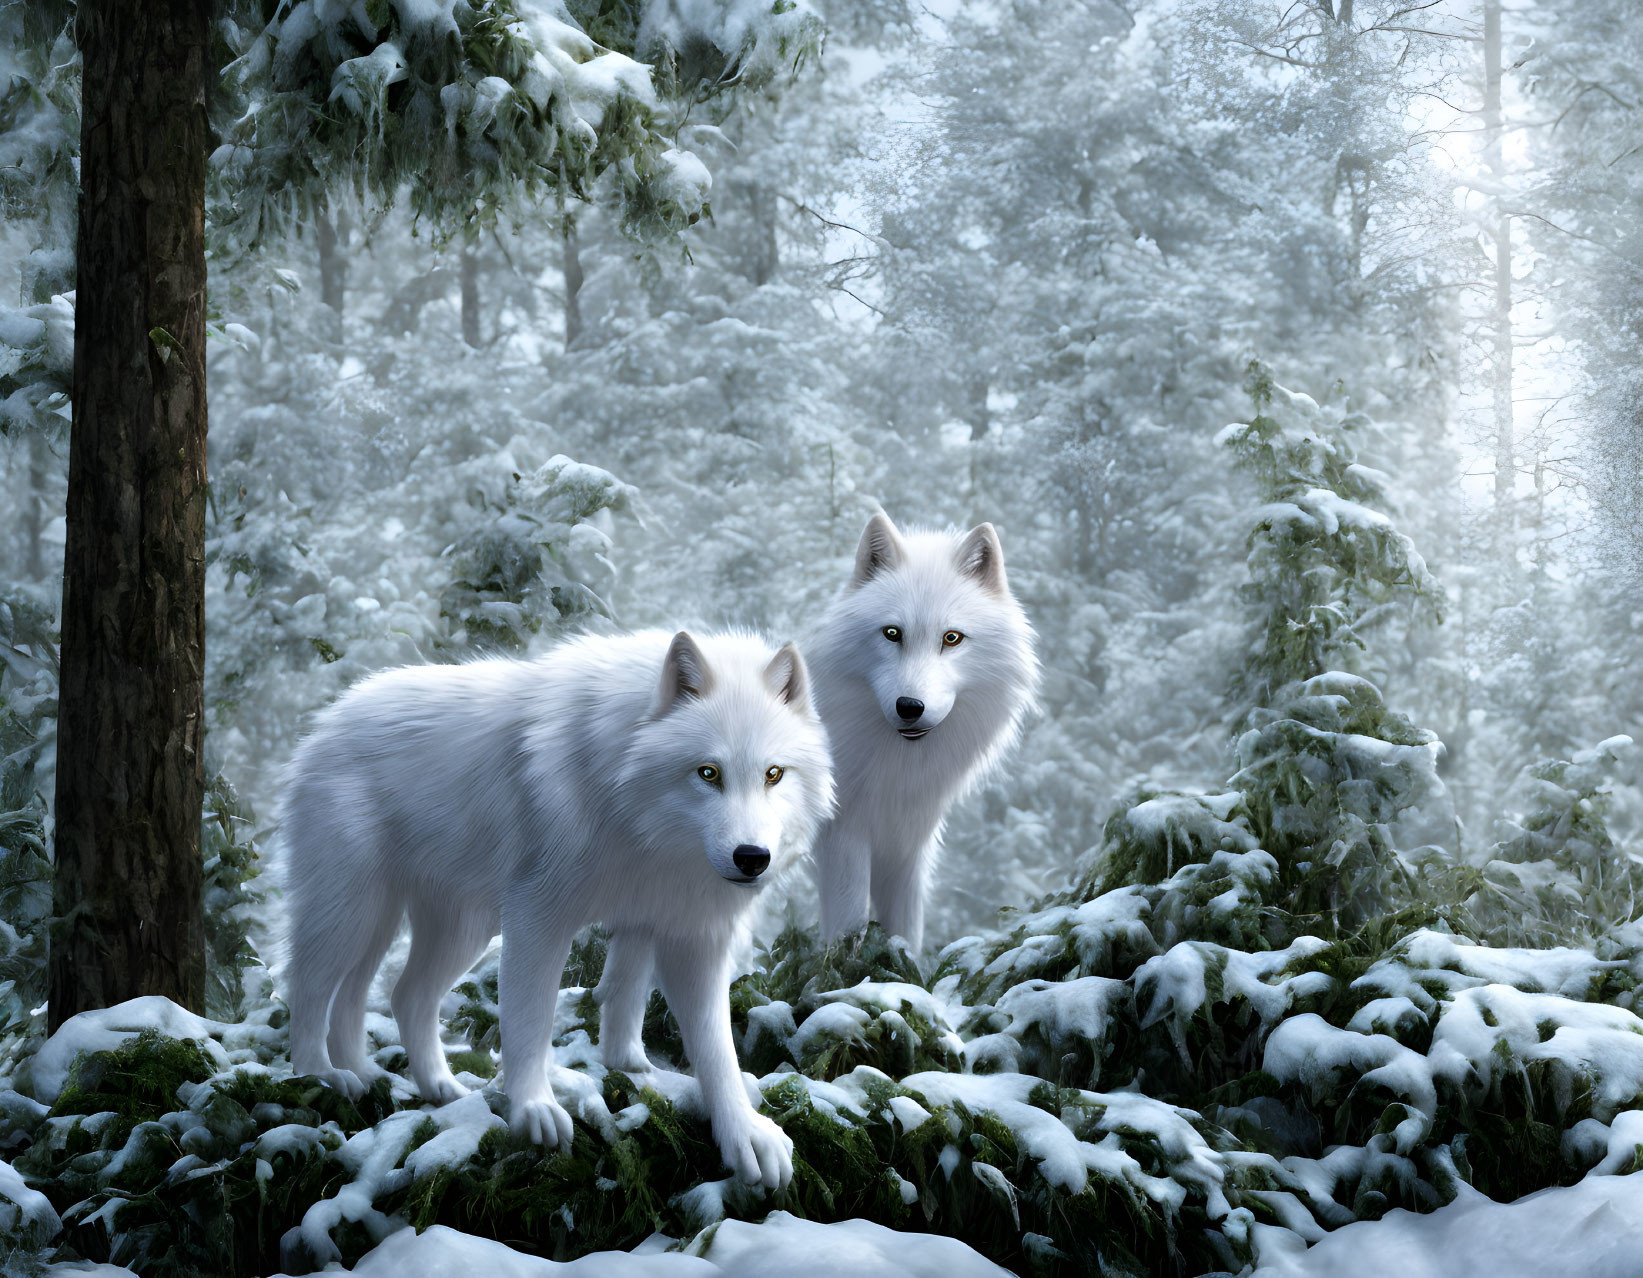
346,1040
534,949
695,976
623,991
898,895
843,874
323,949
446,939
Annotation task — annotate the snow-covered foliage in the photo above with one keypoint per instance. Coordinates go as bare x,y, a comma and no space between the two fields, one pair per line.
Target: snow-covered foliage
28,730
1557,872
465,109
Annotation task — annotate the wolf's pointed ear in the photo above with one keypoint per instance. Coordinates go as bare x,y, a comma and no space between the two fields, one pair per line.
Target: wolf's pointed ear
880,549
980,556
787,678
684,673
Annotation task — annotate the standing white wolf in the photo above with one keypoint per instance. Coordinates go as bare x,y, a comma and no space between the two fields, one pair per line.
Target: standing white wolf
651,784
923,666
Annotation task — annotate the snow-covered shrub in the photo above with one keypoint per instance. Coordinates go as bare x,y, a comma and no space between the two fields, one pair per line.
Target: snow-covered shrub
543,559
36,363
1556,875
826,1010
181,1154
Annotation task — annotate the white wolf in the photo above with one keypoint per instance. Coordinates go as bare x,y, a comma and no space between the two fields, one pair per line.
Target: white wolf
651,784
923,667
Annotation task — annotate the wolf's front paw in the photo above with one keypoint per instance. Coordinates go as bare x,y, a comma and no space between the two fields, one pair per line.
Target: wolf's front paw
546,1122
442,1090
343,1080
758,1151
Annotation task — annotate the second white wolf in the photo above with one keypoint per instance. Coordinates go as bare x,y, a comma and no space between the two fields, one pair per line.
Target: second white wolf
650,784
924,666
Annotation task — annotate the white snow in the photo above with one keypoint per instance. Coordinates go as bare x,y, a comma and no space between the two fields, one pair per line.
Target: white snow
1593,1229
25,1212
781,1244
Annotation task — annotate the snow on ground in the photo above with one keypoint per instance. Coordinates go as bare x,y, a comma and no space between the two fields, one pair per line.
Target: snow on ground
782,1244
1593,1229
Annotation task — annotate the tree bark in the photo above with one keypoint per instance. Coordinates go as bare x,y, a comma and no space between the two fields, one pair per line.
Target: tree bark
129,777
470,298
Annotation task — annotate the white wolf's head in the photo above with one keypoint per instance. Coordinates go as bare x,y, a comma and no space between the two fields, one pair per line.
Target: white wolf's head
733,757
935,633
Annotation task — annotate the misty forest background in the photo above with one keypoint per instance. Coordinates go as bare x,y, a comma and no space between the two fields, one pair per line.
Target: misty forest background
1329,693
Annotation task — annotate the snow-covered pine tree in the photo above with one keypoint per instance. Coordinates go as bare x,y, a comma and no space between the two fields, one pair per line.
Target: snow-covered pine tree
1325,767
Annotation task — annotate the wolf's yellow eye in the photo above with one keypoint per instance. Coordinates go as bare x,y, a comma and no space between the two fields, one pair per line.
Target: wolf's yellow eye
952,639
773,774
892,633
709,773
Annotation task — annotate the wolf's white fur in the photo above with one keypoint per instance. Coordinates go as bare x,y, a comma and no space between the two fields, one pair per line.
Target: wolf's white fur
894,793
533,798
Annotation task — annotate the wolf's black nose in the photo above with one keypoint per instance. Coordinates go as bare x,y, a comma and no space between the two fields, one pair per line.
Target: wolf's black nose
909,708
750,860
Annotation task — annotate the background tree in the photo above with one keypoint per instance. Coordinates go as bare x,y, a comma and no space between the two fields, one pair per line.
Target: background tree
130,724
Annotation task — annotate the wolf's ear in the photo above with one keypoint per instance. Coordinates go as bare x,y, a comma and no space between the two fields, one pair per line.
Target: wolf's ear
684,673
880,549
788,680
980,556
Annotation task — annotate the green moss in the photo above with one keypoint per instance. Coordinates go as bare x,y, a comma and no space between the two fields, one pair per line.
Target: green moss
137,1081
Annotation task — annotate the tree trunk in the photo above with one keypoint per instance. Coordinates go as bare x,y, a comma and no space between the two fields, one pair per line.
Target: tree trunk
129,783
573,285
765,253
1501,379
34,563
333,268
470,298
976,388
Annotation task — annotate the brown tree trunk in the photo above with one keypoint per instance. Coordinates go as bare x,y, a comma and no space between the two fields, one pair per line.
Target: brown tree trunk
129,783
